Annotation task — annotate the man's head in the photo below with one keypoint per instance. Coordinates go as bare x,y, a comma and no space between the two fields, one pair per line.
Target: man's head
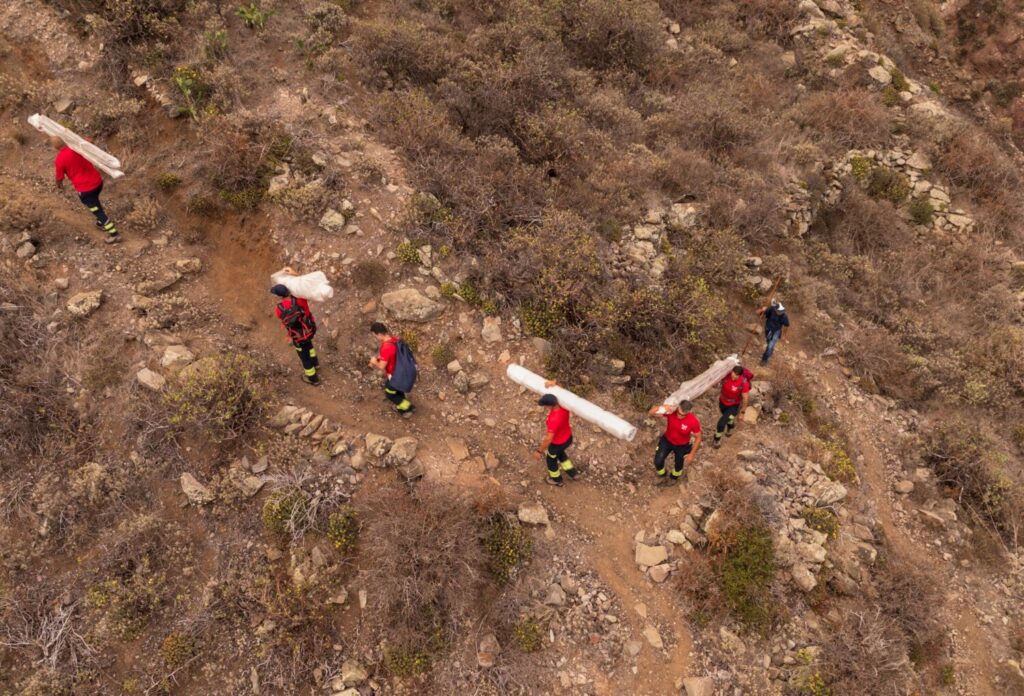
684,407
775,303
738,370
379,331
548,400
56,142
279,290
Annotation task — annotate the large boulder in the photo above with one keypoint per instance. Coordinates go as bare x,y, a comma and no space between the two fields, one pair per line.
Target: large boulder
402,451
153,381
409,304
377,445
532,514
650,555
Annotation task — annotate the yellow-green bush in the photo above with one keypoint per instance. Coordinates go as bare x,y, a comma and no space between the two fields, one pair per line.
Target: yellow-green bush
528,635
343,530
177,649
408,253
822,520
285,512
507,545
221,396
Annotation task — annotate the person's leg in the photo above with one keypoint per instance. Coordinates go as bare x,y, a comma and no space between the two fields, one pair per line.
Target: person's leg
731,414
554,469
771,338
402,404
306,353
720,426
563,459
680,452
660,455
91,200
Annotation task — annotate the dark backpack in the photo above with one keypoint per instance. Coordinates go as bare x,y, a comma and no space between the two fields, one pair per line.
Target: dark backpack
748,375
403,377
297,321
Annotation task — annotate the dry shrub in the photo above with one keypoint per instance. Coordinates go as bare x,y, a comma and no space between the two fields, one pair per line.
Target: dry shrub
866,655
425,570
144,215
612,33
875,355
911,596
974,468
223,397
770,19
848,119
860,225
404,48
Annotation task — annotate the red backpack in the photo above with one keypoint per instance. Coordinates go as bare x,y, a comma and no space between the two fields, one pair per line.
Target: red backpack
296,320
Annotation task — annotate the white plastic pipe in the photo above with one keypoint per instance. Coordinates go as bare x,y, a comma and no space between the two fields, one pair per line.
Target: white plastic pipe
592,413
690,390
104,161
312,286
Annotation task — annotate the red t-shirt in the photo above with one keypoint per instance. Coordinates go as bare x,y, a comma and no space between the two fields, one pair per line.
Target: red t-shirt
558,425
83,175
389,353
287,302
733,389
680,429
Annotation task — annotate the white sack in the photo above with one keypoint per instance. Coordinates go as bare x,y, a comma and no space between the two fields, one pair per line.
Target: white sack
105,162
312,286
589,412
690,390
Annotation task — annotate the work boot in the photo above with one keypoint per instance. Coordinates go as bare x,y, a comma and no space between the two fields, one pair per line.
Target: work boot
717,443
729,432
314,381
113,238
555,481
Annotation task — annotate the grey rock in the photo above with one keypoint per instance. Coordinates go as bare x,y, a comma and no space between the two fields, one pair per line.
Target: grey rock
25,250
491,331
731,642
488,651
353,673
402,451
411,471
555,596
85,303
332,220
650,632
411,305
803,577
659,573
190,265
151,380
196,492
650,555
176,356
152,287
532,514
454,367
699,686
377,445
904,487
827,492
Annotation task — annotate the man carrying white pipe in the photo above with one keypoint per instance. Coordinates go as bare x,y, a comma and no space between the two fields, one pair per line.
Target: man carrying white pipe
682,438
733,399
556,441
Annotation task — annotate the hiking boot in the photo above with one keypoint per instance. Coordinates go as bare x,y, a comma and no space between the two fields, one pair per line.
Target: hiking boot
555,481
729,432
113,239
311,381
573,473
717,444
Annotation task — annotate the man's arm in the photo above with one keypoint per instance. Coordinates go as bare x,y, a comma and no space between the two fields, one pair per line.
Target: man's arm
544,445
656,410
696,446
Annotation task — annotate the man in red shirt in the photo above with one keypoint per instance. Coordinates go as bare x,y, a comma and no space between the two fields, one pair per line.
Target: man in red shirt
682,438
734,397
556,441
87,182
385,362
298,321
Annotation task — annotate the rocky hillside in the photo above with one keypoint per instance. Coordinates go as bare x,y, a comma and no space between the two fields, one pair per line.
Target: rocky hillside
603,191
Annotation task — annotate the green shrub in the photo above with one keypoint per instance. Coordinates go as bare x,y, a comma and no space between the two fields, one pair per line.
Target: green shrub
194,89
167,181
215,44
507,546
888,184
468,291
745,573
528,635
285,512
406,662
128,603
890,96
177,649
201,205
809,682
221,396
899,80
253,16
821,520
441,355
948,676
408,253
921,210
1017,435
449,289
861,168
838,466
343,530
412,339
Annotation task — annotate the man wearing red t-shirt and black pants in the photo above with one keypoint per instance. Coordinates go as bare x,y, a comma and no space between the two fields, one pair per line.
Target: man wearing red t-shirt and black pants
557,441
734,397
385,362
298,321
87,182
682,438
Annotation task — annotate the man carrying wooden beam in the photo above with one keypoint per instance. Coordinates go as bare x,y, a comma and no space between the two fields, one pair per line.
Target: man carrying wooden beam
87,182
733,398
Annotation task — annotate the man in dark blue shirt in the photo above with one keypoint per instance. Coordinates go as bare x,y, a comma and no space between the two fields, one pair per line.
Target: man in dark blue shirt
775,322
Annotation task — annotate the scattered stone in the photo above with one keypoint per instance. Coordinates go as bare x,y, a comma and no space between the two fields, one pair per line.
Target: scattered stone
880,75
532,514
411,305
659,573
25,250
458,448
699,686
411,471
250,485
332,221
827,492
151,380
176,356
676,537
454,367
488,651
152,287
904,487
284,416
62,106
632,648
650,632
650,555
377,445
555,596
85,303
491,331
402,451
191,265
542,346
353,673
803,577
196,492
